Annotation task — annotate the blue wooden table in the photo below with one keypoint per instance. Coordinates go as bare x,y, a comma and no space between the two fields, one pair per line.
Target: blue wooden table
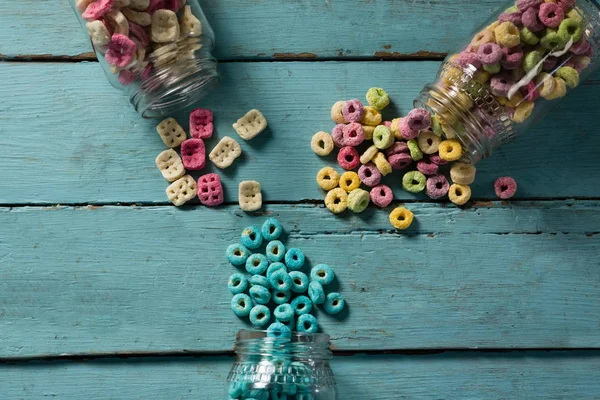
108,292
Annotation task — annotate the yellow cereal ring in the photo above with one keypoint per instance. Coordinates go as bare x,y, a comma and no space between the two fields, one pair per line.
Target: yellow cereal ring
450,150
482,76
336,113
560,89
450,75
491,27
382,164
396,128
336,200
372,117
459,194
512,102
453,58
463,99
368,132
401,218
523,112
545,84
328,178
507,34
322,143
349,181
483,37
369,154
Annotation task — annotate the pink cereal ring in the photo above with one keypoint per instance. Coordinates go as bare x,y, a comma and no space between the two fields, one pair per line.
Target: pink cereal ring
126,77
580,47
139,33
405,130
530,91
436,159
337,135
526,4
466,60
388,124
193,153
419,119
353,110
512,57
505,187
531,20
201,123
121,50
550,64
400,161
501,84
490,53
97,9
397,148
551,14
382,196
146,72
514,17
172,5
210,190
428,168
353,134
437,187
369,175
348,158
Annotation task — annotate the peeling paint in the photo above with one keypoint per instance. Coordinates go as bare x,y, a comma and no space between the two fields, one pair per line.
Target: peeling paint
294,56
402,56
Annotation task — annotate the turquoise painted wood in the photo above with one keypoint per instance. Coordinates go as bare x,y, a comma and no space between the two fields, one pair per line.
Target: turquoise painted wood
83,143
274,29
520,375
147,279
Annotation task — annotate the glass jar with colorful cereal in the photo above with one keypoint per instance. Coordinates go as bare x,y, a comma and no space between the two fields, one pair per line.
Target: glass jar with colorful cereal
156,51
512,71
271,366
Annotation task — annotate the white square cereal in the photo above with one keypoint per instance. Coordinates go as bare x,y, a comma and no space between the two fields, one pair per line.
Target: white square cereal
250,125
250,197
182,190
171,133
170,165
225,152
189,25
165,27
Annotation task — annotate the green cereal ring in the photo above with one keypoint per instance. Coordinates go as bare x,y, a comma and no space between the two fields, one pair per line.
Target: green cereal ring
383,137
414,182
529,37
531,59
511,10
436,127
492,68
575,14
358,200
552,40
276,266
569,75
571,27
378,98
415,151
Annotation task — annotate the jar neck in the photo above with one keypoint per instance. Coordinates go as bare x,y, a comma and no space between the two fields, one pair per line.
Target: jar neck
300,346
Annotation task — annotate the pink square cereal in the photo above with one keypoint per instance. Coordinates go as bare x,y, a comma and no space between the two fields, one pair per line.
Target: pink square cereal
210,190
193,154
201,123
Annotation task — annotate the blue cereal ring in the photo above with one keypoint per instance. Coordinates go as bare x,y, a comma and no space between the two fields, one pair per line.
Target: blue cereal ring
323,274
260,294
334,303
290,324
307,323
271,229
257,264
302,305
260,315
294,259
299,282
280,280
241,304
251,237
281,296
276,266
275,251
238,283
283,312
278,330
237,389
316,293
259,280
237,254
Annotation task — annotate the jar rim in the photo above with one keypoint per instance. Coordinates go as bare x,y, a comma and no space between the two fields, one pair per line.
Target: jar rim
303,337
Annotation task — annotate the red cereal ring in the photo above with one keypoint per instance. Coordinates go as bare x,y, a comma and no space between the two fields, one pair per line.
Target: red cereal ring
97,9
505,187
121,51
348,158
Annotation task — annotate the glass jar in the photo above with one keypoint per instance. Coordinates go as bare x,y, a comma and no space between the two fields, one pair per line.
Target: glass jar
512,71
274,368
156,51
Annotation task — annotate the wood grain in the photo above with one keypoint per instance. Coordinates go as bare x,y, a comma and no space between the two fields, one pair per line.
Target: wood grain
250,29
67,137
521,375
128,279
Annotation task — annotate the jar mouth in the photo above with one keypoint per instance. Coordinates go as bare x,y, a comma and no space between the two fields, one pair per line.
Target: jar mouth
296,337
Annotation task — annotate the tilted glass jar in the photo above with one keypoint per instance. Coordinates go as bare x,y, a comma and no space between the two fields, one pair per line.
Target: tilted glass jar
273,368
159,52
512,71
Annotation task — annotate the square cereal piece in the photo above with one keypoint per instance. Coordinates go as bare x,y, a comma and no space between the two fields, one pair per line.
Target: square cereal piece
225,152
182,190
250,125
210,190
250,197
193,153
171,133
201,123
170,165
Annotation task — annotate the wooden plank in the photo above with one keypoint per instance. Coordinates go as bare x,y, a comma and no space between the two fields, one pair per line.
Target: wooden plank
146,279
69,138
274,29
522,375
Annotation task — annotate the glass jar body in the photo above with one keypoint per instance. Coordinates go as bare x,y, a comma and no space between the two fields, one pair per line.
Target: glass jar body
159,52
269,368
513,70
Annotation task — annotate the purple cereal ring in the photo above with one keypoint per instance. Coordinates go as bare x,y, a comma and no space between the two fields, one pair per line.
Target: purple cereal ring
369,175
525,4
551,14
210,190
436,159
589,53
146,72
397,148
437,187
400,161
193,154
530,91
126,77
514,17
337,135
382,196
121,50
405,130
501,84
490,53
172,5
531,20
549,64
97,9
489,132
353,134
353,110
580,47
505,187
466,60
428,168
512,57
348,158
139,33
419,119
